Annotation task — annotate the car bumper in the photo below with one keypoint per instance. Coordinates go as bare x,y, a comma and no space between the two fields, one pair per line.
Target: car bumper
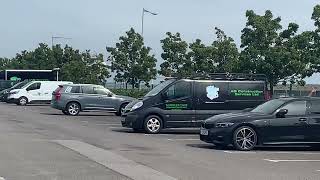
132,120
217,136
57,105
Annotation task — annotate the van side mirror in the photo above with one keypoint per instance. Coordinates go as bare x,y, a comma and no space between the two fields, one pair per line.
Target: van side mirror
164,95
282,113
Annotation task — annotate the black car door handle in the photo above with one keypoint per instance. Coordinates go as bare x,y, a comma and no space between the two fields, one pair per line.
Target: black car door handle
303,119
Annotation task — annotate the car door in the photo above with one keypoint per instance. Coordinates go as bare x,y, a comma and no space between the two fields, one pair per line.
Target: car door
89,99
34,91
314,122
293,127
177,104
210,99
105,99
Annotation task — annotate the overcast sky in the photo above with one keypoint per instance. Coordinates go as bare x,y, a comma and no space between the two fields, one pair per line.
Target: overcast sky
93,24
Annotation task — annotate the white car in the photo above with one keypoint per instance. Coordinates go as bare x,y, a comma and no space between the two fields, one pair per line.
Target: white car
35,92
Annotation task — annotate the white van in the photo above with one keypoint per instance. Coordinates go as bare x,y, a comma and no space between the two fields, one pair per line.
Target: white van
35,92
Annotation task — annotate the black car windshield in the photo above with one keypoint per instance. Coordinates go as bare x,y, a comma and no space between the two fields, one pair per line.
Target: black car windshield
269,106
158,88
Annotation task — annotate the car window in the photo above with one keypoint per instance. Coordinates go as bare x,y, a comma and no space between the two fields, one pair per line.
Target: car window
34,86
315,107
75,89
269,106
296,108
101,91
179,90
87,90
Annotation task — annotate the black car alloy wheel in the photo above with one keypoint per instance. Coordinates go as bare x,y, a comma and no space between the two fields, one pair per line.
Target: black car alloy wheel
244,138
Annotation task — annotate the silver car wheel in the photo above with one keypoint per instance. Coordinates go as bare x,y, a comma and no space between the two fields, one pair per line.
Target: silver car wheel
153,125
246,138
73,109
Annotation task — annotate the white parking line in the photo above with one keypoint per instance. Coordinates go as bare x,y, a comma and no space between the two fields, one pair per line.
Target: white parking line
271,152
2,178
318,170
291,160
114,161
183,140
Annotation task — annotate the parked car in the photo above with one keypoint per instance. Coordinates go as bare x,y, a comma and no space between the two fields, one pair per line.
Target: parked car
71,99
178,103
35,92
283,121
5,93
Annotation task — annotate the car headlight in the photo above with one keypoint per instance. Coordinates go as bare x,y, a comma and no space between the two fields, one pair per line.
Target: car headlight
136,106
224,125
14,92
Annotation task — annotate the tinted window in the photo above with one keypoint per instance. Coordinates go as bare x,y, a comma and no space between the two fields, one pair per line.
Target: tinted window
75,89
102,91
296,108
179,90
158,88
87,90
34,86
269,107
315,107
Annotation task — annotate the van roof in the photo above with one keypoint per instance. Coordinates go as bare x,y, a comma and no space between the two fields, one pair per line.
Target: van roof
225,76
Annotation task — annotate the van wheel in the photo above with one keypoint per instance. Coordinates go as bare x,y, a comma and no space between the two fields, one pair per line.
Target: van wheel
244,138
65,112
22,101
153,124
73,108
121,110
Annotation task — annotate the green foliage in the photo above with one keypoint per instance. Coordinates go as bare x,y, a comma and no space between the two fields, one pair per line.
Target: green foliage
75,66
268,50
136,93
131,60
175,56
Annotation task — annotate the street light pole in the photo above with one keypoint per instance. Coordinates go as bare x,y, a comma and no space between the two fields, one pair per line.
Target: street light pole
142,19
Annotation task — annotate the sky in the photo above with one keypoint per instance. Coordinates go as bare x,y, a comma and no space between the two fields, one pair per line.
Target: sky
95,24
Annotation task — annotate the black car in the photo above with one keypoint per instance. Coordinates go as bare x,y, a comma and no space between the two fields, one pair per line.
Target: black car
178,103
283,121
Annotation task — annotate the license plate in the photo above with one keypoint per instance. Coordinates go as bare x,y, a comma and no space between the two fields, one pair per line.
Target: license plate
204,131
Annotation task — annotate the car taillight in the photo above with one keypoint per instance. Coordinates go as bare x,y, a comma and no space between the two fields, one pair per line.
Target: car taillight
57,94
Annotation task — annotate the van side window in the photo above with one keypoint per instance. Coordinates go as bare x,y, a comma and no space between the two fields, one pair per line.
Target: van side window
34,86
179,90
87,90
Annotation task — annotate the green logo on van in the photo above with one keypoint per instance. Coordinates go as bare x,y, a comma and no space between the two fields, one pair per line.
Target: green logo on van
250,93
176,106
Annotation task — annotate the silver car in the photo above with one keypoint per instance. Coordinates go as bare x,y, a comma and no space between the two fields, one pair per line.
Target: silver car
71,99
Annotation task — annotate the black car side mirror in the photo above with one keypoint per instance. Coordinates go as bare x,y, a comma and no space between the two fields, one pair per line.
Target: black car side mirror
282,113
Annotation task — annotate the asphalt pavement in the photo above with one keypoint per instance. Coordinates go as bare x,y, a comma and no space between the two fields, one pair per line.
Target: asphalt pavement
38,142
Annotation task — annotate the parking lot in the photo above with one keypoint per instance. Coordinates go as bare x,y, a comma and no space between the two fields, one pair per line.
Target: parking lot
38,142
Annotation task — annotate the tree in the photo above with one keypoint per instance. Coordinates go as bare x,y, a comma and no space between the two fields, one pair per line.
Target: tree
224,52
131,60
269,51
176,61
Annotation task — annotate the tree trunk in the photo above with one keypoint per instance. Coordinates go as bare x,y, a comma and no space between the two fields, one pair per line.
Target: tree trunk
271,89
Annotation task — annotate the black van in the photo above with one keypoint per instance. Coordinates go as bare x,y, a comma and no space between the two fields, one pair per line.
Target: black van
177,103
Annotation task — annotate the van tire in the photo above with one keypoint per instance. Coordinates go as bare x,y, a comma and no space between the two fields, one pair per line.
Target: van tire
121,109
153,124
73,108
22,101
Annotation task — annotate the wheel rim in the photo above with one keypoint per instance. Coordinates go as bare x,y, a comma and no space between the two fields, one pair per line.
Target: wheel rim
23,101
246,138
153,124
73,109
122,111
